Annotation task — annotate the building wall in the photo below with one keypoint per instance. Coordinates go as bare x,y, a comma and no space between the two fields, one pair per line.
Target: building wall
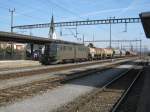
12,51
17,51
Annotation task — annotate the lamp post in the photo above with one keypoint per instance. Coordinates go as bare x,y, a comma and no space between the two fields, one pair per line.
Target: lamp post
110,33
83,38
140,49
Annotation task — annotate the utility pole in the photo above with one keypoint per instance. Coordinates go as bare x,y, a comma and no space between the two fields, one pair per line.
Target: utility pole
126,28
11,27
12,14
93,39
110,18
60,31
76,35
83,38
110,33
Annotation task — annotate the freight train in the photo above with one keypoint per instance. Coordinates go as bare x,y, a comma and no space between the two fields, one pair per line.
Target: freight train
61,53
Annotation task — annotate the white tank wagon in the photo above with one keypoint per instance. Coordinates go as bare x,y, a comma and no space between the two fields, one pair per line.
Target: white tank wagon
123,52
96,53
116,53
134,54
99,53
92,53
131,53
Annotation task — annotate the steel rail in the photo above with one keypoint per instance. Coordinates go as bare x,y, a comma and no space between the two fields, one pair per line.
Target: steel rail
104,87
127,91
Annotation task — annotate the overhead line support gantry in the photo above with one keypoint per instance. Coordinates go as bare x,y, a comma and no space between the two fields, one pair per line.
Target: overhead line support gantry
79,23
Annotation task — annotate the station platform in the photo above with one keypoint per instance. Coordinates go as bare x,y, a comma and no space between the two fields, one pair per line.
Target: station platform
12,64
144,101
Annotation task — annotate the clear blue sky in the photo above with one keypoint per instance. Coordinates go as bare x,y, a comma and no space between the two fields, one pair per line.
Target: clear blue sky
40,11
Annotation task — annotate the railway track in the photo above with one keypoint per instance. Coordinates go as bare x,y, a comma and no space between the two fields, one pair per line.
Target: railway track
129,100
103,99
31,72
19,92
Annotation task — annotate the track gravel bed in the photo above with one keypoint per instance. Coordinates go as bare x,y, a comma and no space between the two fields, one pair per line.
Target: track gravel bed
101,100
17,93
130,103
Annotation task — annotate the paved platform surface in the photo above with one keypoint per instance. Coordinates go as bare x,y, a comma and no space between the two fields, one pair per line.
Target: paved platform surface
144,102
3,72
19,65
12,64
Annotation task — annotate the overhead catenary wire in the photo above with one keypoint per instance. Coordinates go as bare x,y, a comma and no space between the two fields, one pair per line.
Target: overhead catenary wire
62,7
41,9
28,6
4,7
22,14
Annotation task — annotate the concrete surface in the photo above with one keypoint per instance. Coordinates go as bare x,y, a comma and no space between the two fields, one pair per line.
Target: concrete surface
12,64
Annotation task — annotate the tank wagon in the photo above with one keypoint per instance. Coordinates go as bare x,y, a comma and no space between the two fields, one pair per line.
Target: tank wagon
123,53
116,53
96,53
108,53
131,53
92,53
99,53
